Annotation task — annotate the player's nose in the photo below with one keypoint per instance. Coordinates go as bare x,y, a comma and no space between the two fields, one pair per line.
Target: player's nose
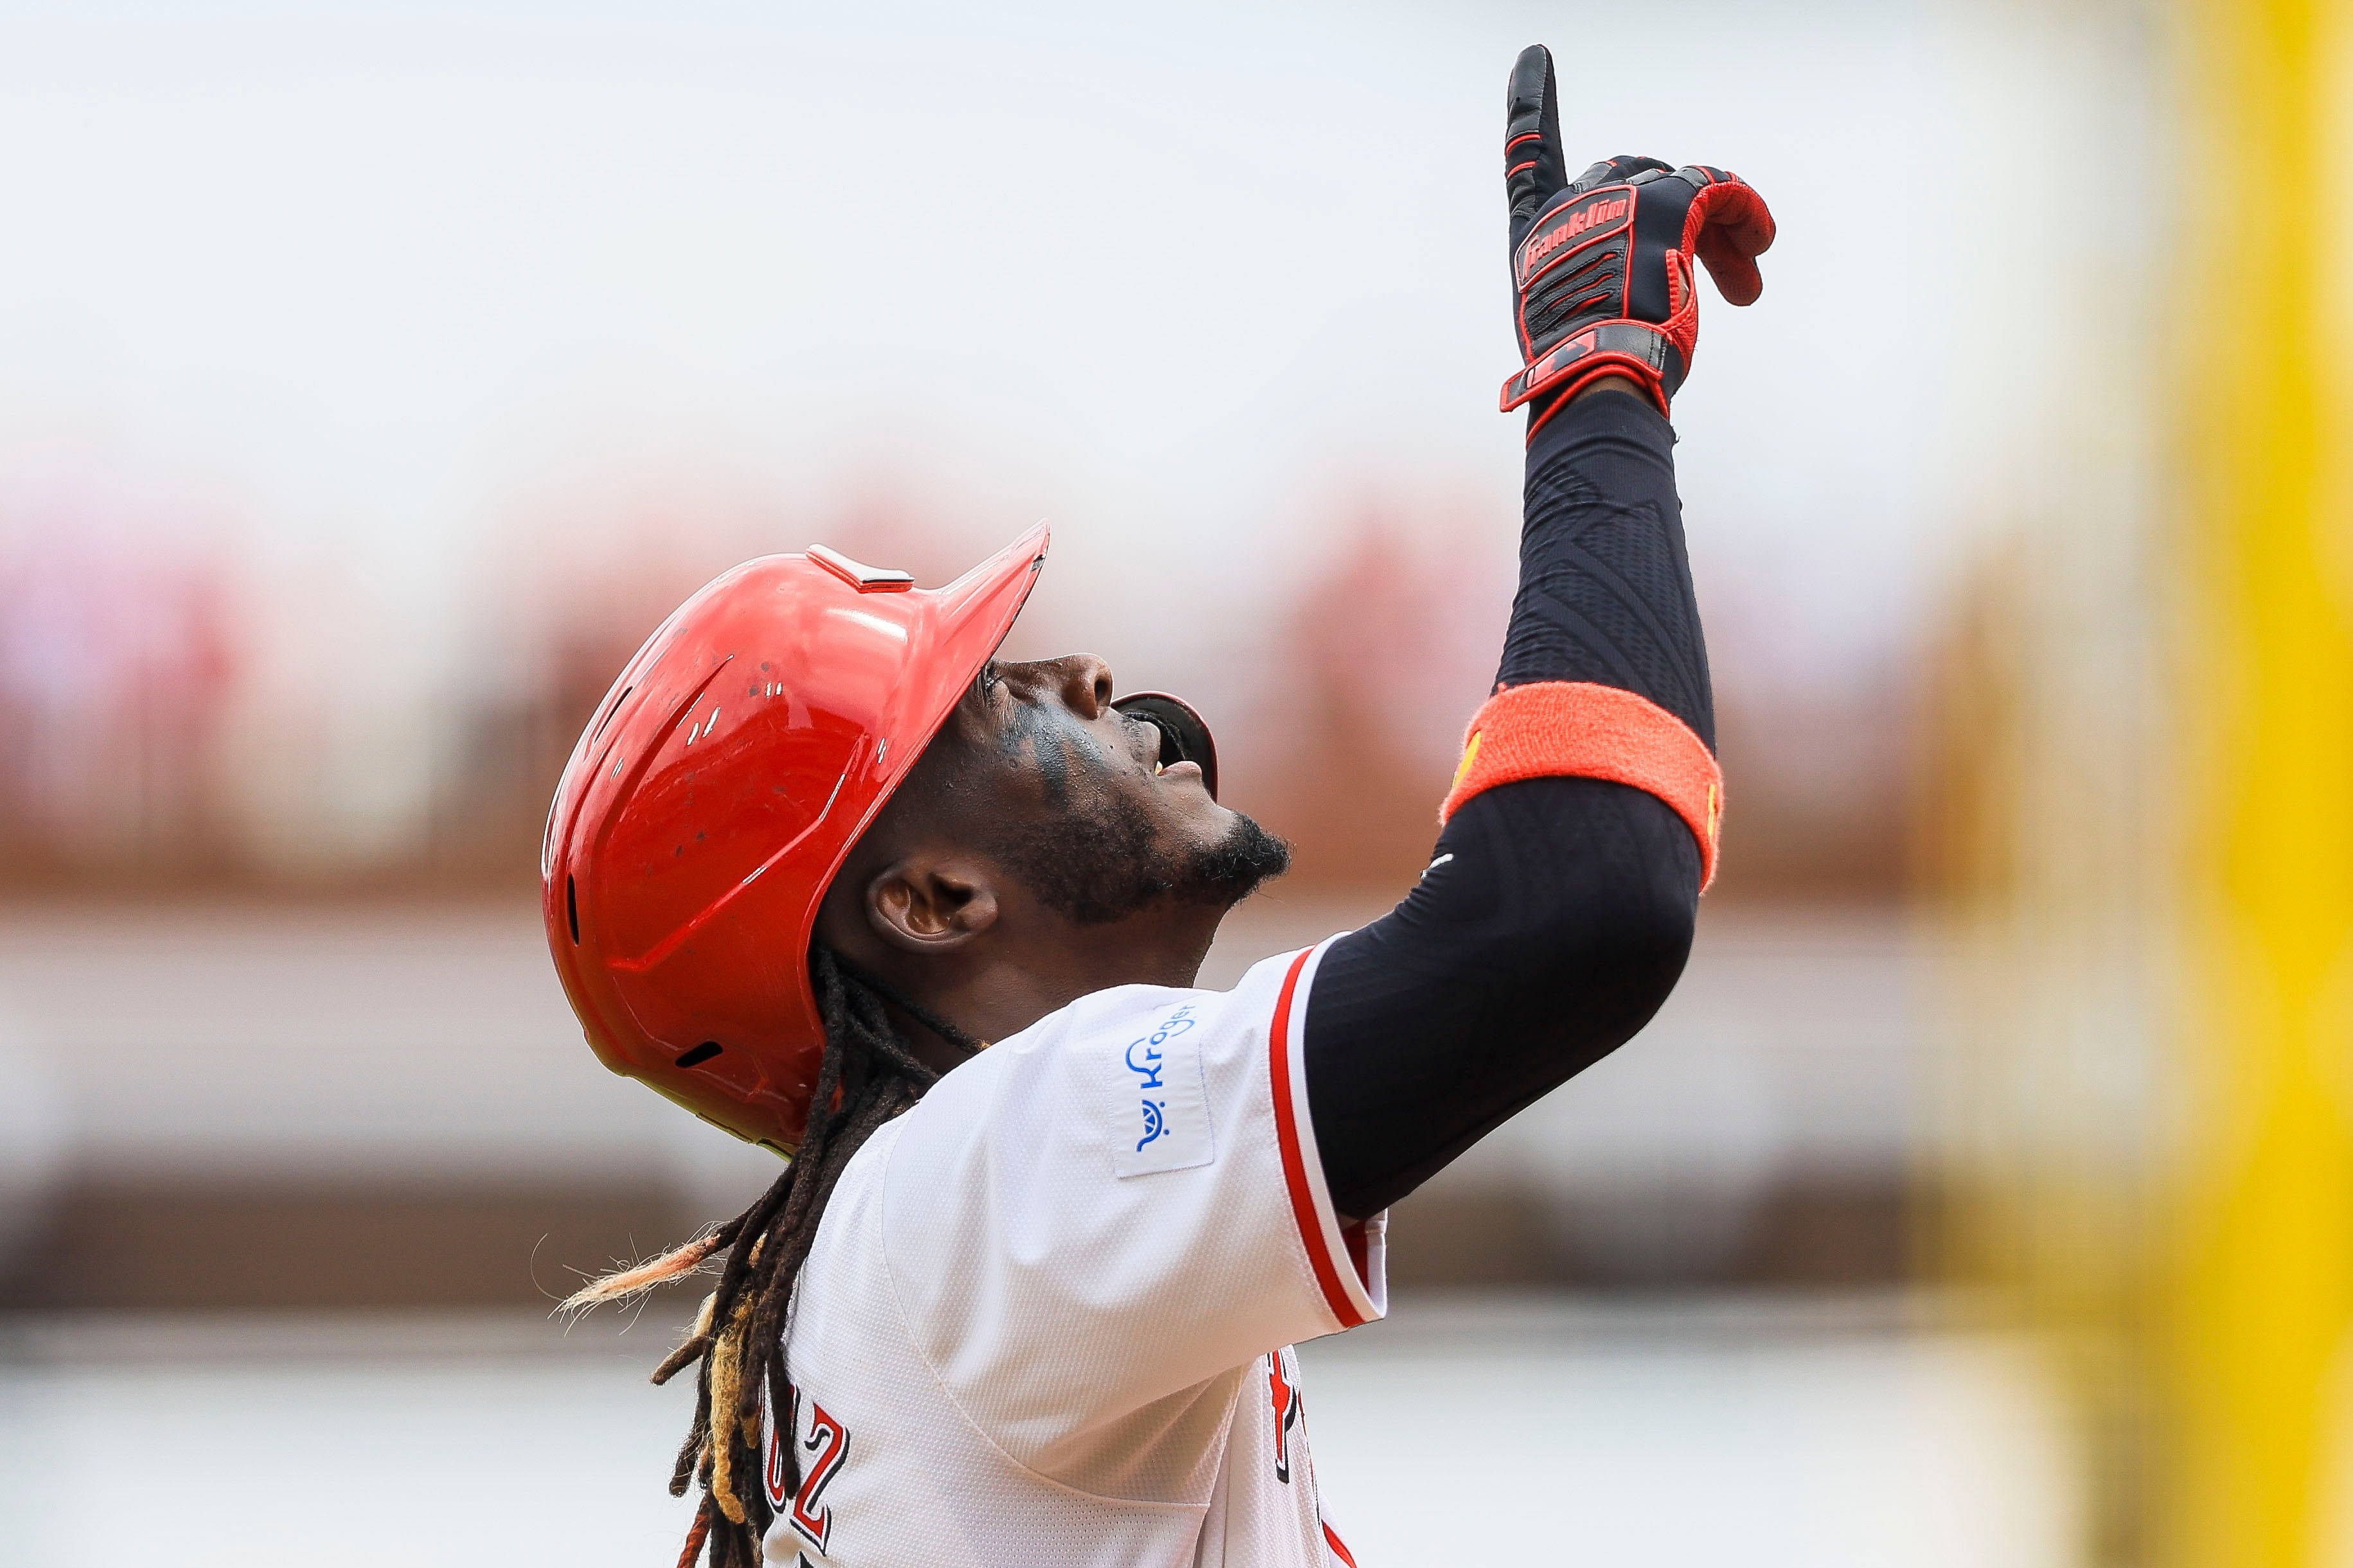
1084,684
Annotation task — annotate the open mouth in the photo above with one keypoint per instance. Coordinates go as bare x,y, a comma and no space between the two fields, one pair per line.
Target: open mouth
1185,747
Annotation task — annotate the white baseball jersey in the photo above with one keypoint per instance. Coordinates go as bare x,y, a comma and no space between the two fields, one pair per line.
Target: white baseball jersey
1047,1320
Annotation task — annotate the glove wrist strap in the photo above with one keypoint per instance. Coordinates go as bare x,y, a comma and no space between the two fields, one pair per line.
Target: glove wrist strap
1635,349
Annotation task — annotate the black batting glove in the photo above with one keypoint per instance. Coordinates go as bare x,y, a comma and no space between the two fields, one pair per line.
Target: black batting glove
1601,265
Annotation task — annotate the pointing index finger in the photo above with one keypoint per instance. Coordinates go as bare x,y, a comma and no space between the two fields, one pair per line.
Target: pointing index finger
1533,166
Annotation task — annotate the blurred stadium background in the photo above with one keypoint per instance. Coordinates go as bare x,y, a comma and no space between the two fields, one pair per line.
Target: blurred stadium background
373,380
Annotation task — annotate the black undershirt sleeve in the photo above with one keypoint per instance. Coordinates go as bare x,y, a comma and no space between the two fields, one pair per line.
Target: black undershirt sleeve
1557,912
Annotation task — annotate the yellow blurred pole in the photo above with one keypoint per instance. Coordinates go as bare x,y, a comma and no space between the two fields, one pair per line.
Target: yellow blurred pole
2262,1294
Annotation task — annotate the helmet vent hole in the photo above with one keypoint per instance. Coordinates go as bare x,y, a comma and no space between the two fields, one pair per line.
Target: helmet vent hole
700,1054
571,906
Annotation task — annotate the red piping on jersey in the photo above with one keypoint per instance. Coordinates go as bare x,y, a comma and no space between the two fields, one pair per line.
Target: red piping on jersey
1551,727
1295,1165
1338,1550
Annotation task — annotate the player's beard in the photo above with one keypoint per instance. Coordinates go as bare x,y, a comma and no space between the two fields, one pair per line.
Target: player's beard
1111,861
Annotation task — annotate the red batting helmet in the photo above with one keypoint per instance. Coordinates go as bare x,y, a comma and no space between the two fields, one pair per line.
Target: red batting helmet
717,790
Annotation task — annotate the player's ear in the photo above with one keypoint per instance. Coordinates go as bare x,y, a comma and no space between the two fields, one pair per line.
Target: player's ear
930,903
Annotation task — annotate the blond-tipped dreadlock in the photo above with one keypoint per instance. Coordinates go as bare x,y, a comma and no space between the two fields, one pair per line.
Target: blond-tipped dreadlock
868,1075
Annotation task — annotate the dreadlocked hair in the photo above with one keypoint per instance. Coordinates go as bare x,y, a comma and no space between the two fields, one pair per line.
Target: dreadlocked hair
868,1075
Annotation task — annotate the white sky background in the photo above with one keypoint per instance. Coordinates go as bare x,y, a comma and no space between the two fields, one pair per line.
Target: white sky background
1183,281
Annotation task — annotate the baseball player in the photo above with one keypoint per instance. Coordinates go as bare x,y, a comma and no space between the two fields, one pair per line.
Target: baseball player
828,873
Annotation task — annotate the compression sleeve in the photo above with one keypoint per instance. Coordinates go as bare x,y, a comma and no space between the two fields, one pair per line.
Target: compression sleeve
1557,912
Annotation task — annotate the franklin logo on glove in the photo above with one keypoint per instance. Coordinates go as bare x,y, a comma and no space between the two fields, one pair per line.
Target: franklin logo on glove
1607,209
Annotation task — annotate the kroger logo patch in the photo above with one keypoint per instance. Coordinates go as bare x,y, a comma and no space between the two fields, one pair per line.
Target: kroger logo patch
1162,1120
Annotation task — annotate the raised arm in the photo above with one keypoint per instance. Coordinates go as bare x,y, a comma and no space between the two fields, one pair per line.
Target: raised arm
1557,912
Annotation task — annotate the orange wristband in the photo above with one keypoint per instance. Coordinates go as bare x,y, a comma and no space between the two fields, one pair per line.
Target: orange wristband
1574,728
